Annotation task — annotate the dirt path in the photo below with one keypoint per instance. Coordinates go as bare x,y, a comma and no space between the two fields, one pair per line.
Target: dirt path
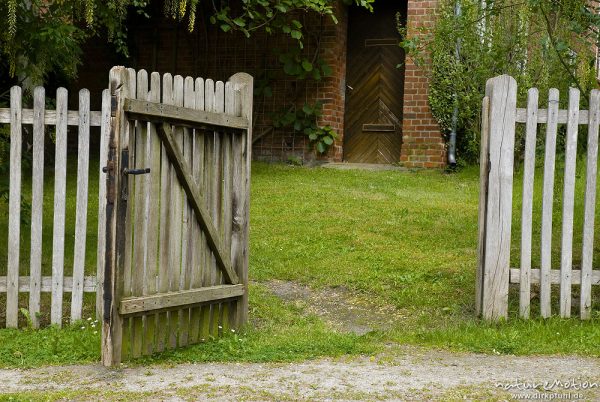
401,374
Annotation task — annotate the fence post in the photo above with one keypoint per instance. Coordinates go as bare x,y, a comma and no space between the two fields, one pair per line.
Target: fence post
502,94
242,148
112,322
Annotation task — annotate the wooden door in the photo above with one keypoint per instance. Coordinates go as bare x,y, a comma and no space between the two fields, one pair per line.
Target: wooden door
177,211
374,85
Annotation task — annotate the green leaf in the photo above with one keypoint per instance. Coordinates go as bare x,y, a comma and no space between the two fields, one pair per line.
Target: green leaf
297,125
313,136
328,140
239,22
296,34
307,109
326,70
321,147
225,27
307,65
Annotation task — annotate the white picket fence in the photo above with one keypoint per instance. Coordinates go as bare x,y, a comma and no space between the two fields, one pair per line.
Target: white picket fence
499,118
57,284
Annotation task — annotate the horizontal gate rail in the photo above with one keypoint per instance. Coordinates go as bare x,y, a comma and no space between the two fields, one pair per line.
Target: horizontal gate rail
182,116
183,298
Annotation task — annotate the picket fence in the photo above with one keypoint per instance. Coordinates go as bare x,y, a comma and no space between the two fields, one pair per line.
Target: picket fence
57,284
500,116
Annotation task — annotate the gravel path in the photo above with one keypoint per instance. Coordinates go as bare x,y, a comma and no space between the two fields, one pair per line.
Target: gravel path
405,373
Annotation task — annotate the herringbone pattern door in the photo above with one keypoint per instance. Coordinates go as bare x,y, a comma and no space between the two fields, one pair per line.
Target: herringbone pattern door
375,85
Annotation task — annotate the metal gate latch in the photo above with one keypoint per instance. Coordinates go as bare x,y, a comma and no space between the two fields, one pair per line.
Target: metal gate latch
136,171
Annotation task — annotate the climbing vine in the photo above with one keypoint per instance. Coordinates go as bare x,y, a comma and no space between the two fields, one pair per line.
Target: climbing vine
41,38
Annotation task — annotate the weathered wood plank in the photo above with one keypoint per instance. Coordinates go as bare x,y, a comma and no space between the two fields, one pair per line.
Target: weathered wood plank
166,188
189,101
197,238
60,188
212,310
181,116
44,284
140,220
176,261
503,98
50,117
112,325
37,205
216,198
562,116
83,164
566,263
195,199
527,205
101,249
245,84
179,298
126,214
483,189
153,213
547,202
587,254
554,276
228,309
14,209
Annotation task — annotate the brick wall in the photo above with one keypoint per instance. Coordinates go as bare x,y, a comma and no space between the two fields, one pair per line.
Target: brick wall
162,45
422,142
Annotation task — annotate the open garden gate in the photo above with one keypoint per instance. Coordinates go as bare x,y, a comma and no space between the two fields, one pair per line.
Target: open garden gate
178,181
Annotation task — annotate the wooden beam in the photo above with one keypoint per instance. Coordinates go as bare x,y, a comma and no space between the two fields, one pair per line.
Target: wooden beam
50,117
177,299
165,132
554,276
182,116
89,284
562,118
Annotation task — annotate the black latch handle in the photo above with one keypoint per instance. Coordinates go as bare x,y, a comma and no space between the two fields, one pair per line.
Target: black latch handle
136,171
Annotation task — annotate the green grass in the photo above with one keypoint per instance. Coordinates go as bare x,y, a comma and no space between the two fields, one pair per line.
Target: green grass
401,238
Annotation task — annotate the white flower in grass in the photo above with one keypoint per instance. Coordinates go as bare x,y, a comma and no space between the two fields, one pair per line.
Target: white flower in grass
220,327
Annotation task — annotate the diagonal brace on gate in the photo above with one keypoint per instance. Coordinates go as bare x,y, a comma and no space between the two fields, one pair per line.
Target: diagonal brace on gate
194,195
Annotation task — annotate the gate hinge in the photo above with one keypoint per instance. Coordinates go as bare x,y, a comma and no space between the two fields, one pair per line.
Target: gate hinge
113,106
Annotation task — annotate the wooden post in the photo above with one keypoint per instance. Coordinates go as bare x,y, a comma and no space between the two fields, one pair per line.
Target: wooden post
502,92
241,212
115,208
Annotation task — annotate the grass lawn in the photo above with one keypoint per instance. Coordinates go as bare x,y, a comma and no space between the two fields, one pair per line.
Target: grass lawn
399,238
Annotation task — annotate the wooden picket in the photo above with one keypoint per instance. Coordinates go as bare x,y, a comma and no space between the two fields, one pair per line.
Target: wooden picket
177,213
498,134
35,283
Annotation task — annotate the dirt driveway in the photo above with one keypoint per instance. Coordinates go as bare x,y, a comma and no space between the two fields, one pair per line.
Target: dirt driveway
402,373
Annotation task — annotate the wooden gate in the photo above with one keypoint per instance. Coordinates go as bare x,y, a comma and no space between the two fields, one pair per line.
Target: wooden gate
178,181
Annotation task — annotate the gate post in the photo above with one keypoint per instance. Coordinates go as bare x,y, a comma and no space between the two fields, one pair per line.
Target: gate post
242,148
495,216
116,207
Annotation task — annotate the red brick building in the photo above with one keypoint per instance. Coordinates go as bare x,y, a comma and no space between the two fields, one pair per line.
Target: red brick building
375,100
